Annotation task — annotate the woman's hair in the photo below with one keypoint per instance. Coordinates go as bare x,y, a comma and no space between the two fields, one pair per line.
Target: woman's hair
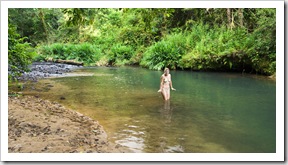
165,70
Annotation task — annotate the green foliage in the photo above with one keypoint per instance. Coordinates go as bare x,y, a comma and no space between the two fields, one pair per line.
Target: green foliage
208,48
200,39
120,53
165,53
216,48
263,54
84,52
38,25
20,53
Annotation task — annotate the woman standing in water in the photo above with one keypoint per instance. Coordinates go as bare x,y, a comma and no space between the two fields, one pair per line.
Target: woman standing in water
165,84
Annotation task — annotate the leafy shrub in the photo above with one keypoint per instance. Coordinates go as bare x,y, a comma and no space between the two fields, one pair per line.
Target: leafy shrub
119,53
84,52
165,53
20,53
217,48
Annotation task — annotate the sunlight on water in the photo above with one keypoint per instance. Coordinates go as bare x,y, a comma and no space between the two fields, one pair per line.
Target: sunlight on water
209,112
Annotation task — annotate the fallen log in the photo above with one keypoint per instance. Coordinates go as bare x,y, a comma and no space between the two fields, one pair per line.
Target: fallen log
69,62
72,62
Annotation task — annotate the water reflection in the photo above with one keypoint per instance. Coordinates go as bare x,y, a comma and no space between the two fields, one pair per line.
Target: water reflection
131,137
165,143
213,114
166,112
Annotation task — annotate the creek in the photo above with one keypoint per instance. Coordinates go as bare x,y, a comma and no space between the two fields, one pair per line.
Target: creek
209,112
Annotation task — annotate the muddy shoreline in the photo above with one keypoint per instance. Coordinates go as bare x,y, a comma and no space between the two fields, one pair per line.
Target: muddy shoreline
40,126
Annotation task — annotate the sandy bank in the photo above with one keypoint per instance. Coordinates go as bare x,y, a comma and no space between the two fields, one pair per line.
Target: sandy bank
40,126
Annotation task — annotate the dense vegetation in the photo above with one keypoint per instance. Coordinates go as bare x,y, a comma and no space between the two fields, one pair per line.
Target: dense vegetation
20,53
241,40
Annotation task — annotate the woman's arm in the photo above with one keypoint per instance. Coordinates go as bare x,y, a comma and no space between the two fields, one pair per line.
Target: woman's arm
171,83
161,84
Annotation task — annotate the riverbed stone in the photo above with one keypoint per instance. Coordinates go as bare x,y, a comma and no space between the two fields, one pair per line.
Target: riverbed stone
40,70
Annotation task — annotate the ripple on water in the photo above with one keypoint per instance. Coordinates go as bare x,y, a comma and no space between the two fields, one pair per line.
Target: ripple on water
134,140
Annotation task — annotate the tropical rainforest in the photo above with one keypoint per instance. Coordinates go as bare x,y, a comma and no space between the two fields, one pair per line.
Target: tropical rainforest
198,39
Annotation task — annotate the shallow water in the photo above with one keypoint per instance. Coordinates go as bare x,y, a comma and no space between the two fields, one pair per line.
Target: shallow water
209,112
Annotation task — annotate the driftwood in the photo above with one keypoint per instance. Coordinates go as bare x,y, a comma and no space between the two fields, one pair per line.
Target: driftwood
72,62
69,62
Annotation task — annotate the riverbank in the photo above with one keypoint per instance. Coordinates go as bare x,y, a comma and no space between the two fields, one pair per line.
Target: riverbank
41,126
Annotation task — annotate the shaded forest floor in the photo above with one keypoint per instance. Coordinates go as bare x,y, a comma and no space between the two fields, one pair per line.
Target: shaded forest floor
41,126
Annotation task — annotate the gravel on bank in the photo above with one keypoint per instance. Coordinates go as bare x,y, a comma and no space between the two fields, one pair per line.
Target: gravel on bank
39,70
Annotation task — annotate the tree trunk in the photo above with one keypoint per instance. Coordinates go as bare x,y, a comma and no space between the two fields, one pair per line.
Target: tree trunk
72,62
164,24
42,17
69,62
240,14
228,17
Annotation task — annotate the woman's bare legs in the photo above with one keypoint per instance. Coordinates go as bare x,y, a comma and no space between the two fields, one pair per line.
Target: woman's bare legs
166,93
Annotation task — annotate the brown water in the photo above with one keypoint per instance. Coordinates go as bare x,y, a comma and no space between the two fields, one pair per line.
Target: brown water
209,112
